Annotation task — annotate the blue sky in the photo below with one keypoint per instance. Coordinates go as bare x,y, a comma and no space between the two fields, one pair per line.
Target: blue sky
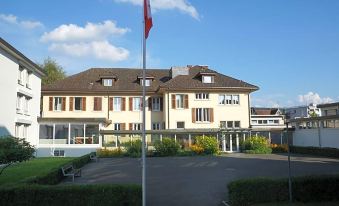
289,48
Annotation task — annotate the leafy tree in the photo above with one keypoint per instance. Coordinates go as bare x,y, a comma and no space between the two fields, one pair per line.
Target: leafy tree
54,71
13,150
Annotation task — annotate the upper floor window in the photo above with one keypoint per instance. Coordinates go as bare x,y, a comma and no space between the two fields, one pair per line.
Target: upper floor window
117,126
28,80
227,99
135,126
117,103
203,114
156,104
136,103
57,103
21,75
156,126
179,101
147,82
207,79
202,96
18,103
78,104
107,82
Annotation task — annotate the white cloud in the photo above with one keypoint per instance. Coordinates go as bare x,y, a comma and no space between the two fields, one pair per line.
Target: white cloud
181,5
102,50
312,97
91,32
11,19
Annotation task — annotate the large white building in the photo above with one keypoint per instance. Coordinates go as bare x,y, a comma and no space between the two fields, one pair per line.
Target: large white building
20,87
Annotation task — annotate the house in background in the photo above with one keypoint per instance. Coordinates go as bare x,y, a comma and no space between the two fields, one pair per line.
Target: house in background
101,107
20,86
329,109
268,122
302,111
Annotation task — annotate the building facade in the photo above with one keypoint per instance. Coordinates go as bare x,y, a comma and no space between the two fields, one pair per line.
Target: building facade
302,111
20,85
102,107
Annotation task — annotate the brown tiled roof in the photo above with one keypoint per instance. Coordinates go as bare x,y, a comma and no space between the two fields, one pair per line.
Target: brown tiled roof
264,111
127,81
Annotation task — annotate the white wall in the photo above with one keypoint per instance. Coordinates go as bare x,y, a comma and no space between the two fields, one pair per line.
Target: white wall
329,137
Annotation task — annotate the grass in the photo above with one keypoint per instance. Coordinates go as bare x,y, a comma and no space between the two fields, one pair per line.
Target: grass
300,204
35,167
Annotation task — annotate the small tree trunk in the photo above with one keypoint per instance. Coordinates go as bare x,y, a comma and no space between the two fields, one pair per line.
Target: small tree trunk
3,168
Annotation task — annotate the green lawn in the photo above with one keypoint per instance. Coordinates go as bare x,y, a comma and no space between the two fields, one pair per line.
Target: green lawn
38,166
300,204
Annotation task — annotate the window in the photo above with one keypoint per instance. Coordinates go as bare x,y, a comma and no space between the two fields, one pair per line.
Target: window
179,100
229,124
276,121
59,153
156,126
147,82
202,115
117,103
264,121
92,134
259,121
136,104
270,121
28,77
117,126
78,103
57,103
180,125
222,124
207,79
254,121
26,105
136,126
229,99
21,76
222,99
236,124
77,133
156,104
17,130
18,104
107,82
202,96
235,99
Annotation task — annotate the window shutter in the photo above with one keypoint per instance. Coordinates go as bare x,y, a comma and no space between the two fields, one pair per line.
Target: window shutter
161,104
130,104
95,104
193,115
149,103
98,103
130,126
110,102
173,101
122,126
84,104
63,104
211,115
50,108
71,99
123,104
186,101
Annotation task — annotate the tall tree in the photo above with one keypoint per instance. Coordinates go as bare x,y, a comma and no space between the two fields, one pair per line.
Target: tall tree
54,71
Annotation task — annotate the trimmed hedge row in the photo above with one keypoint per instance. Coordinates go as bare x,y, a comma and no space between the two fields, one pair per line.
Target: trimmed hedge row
320,151
56,176
305,189
39,195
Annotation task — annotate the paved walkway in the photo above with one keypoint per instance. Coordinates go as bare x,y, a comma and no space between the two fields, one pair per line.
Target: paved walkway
198,181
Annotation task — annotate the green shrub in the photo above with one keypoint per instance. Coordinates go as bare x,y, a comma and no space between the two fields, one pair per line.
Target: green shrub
305,189
208,143
320,151
256,145
103,153
166,147
279,148
133,148
38,195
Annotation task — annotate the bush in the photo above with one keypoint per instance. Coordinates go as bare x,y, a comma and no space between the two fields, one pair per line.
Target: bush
56,176
279,148
166,147
110,153
208,143
133,148
305,189
256,145
38,195
197,149
320,151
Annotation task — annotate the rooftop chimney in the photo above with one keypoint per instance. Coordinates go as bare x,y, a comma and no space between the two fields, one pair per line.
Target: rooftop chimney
176,71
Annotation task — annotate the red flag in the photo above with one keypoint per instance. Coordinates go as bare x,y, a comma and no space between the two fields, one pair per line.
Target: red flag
147,17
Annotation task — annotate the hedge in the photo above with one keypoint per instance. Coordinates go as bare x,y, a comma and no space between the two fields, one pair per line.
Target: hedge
320,151
42,195
305,189
56,176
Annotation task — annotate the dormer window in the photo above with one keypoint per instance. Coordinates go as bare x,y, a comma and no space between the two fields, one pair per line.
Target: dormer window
147,82
107,82
207,79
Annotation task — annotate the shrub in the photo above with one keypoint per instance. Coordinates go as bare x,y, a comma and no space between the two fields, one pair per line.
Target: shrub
279,148
256,145
133,148
197,149
321,151
208,143
305,189
110,152
166,147
38,195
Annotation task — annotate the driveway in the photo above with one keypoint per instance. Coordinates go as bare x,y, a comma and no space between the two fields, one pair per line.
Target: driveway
199,181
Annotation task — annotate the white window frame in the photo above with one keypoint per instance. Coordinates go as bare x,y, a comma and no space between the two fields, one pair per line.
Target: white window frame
28,77
227,126
136,104
57,106
156,126
107,82
221,99
18,103
202,96
229,99
181,122
80,104
179,101
117,103
208,79
202,115
234,124
137,126
156,104
222,124
147,82
117,126
26,105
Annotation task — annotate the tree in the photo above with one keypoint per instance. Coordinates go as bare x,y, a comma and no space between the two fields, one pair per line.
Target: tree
12,150
54,71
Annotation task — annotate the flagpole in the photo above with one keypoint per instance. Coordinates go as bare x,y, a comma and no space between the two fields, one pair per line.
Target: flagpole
144,113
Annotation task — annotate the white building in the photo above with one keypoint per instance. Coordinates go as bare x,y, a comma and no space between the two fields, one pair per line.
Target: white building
20,87
302,111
